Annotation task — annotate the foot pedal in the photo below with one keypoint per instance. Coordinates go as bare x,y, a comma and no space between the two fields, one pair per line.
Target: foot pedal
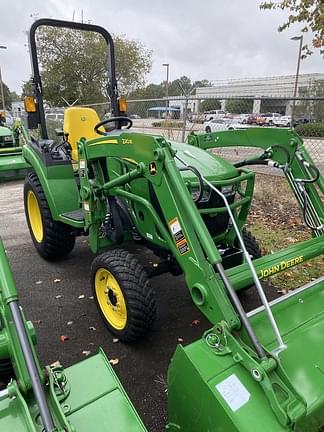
75,215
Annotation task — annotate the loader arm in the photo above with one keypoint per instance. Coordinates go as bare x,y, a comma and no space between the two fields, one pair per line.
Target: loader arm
283,149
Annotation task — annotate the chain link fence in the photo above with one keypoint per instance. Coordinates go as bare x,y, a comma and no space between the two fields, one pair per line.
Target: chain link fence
176,117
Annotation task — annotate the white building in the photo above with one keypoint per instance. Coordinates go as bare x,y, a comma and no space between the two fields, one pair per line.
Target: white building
280,87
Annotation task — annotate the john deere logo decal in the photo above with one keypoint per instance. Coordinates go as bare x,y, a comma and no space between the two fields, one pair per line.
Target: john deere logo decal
152,168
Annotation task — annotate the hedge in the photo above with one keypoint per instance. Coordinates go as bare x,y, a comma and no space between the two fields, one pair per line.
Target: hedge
310,129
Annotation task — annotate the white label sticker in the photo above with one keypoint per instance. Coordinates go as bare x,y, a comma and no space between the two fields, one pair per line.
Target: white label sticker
175,226
82,164
233,392
86,206
148,235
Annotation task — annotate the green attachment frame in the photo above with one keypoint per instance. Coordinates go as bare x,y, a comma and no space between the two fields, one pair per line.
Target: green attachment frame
73,403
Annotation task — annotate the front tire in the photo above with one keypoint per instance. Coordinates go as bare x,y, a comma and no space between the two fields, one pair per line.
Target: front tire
123,294
52,240
251,244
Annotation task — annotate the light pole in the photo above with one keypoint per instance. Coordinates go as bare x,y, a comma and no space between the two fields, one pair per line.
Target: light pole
1,84
296,38
167,85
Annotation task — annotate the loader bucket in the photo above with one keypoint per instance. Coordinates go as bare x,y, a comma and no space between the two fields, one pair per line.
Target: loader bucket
12,164
96,401
209,390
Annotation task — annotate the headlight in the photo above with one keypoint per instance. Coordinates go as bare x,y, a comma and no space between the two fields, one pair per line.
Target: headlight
228,190
7,138
204,197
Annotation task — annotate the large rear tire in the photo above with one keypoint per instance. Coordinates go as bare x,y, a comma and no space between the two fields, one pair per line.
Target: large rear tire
123,294
53,240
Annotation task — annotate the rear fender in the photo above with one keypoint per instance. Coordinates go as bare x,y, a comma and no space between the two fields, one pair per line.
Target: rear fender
57,181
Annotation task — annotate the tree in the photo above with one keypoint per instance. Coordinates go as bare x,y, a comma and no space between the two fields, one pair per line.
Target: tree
313,108
73,65
27,88
9,96
309,12
239,106
209,104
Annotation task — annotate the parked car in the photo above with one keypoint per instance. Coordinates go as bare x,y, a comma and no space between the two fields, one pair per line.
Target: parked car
58,117
135,116
209,115
220,124
251,119
196,117
302,120
282,121
266,119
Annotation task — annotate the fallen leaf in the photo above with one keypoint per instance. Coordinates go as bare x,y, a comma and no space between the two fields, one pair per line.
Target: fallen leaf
92,328
69,323
37,321
90,297
64,338
86,353
81,296
114,361
58,296
57,280
55,364
195,322
115,340
180,340
38,282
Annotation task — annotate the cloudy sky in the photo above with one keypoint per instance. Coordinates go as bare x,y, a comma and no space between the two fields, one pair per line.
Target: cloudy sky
210,39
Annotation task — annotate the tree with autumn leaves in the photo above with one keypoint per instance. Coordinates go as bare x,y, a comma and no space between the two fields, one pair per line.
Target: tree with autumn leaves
309,13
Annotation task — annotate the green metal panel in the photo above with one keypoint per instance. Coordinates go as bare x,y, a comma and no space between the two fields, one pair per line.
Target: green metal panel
12,165
99,403
195,403
58,184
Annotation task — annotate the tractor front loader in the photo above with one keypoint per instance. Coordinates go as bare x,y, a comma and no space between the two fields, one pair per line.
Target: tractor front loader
53,399
13,166
262,371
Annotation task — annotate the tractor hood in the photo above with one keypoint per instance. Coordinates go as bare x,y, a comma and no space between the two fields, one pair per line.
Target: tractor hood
208,164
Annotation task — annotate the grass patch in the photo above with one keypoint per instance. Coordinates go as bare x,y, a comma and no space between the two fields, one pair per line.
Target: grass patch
273,239
276,221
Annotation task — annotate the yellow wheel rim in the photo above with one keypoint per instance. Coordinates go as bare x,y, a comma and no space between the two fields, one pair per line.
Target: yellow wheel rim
35,217
111,299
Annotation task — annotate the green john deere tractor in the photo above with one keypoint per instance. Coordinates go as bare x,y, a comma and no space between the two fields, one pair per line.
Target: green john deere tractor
262,371
13,166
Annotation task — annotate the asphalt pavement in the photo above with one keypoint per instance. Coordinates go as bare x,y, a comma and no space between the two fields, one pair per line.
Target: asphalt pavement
57,297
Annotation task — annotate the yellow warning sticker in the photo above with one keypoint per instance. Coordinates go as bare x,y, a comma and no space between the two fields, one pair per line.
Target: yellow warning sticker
179,236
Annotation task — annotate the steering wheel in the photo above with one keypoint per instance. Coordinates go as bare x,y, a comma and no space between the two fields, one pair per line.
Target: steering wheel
120,120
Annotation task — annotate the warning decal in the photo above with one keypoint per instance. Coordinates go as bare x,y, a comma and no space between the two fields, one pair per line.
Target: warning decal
179,236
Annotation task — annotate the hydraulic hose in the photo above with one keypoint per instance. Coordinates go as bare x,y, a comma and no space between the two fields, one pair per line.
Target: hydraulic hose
201,183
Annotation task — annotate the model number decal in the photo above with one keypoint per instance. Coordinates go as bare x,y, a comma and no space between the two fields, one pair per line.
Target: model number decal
127,141
283,265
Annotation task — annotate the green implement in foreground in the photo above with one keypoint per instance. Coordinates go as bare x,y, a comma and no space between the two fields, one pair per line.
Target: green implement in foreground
35,399
13,165
102,180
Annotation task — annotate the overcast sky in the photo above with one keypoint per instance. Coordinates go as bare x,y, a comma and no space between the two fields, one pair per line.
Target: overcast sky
201,39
